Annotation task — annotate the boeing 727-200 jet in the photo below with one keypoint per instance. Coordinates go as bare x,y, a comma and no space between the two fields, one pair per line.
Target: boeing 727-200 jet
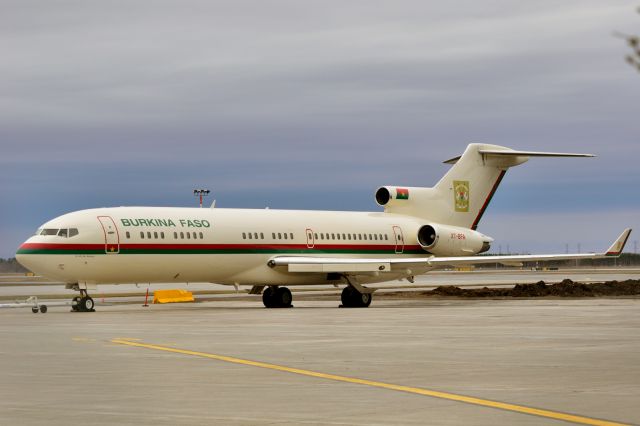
420,229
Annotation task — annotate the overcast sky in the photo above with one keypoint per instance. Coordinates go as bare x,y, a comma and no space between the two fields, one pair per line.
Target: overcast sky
314,104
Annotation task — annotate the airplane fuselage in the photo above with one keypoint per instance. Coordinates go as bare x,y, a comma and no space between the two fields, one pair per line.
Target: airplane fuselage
226,246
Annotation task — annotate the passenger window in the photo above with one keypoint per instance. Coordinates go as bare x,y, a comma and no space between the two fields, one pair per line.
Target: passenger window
365,237
333,236
162,235
175,235
255,235
250,236
279,236
155,235
149,235
244,235
349,235
315,236
370,237
128,235
386,237
291,235
188,236
273,235
201,237
63,233
360,236
142,235
73,232
375,237
285,235
338,236
195,237
182,235
261,236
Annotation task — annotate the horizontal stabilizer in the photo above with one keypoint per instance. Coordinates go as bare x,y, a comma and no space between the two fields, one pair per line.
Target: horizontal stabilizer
531,153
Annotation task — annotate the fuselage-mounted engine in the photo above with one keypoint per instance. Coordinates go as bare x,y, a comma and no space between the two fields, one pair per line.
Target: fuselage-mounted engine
446,240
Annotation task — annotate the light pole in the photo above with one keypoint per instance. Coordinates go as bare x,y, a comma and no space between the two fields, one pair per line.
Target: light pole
200,193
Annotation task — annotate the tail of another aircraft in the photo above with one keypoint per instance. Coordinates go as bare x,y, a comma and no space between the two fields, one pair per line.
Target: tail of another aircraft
461,197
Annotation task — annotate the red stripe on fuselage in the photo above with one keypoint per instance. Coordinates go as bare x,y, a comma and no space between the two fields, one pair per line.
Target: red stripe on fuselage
173,246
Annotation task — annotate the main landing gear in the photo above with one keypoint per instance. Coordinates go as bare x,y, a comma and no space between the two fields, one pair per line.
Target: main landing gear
83,303
352,298
277,297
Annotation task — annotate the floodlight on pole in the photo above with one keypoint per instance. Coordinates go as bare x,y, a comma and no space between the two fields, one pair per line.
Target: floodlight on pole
201,193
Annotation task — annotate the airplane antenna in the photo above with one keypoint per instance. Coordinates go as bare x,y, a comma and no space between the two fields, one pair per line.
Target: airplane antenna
201,193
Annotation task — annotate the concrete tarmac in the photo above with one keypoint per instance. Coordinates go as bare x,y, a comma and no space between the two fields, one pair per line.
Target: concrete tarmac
576,356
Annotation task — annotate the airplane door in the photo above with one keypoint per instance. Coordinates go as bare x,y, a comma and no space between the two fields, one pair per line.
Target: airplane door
399,239
311,241
111,236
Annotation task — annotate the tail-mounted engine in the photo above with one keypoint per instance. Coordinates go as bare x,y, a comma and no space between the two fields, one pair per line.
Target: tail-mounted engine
445,240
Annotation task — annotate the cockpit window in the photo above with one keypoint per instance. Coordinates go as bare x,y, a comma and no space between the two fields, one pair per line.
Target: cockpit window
64,232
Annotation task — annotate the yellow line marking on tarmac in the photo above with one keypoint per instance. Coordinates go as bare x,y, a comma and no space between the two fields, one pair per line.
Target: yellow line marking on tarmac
82,339
419,391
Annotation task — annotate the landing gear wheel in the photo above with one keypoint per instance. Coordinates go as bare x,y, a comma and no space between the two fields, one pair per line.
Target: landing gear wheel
75,304
268,297
347,296
283,297
43,309
352,298
34,310
86,304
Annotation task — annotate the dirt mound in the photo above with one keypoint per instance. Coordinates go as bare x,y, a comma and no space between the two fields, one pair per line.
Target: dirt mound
566,288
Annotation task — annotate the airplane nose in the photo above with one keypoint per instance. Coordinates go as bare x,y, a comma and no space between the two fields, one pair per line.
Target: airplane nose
22,254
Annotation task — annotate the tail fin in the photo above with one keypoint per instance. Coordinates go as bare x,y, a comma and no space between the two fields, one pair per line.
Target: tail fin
461,197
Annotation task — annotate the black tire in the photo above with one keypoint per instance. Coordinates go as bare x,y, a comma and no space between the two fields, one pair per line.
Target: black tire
43,309
34,310
347,297
352,298
86,304
268,297
283,297
75,304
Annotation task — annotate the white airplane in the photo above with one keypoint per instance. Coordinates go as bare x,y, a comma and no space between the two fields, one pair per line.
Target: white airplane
421,229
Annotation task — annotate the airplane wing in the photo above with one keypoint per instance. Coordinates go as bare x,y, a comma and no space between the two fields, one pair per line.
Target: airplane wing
352,265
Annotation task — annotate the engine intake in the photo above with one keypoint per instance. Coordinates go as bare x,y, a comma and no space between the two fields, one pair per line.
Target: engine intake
427,236
383,196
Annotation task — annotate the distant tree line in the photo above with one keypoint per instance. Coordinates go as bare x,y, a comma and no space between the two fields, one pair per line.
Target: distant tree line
626,259
11,265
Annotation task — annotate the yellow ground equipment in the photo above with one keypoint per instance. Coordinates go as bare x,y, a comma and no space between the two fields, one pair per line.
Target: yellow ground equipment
172,296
